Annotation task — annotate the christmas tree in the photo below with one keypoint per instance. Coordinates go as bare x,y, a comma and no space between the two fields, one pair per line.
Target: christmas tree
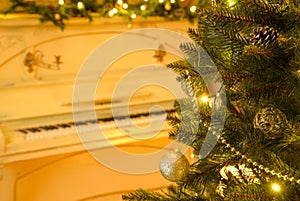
247,138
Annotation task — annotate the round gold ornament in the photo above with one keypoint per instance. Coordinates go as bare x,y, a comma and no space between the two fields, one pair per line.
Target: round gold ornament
174,166
271,121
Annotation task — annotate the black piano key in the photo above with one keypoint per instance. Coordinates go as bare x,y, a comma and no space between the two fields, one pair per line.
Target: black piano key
80,123
34,130
63,125
92,121
24,131
50,127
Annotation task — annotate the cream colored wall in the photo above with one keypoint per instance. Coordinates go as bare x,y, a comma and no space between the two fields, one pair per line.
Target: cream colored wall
74,45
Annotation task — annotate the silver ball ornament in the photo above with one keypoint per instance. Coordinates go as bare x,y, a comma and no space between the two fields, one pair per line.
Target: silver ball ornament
174,166
270,121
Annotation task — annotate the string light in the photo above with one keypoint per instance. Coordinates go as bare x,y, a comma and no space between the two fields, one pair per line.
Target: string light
193,9
172,1
231,3
133,16
80,5
119,2
160,1
276,187
125,5
61,2
254,163
204,99
143,7
112,12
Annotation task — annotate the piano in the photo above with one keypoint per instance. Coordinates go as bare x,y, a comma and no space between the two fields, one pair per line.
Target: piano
39,131
62,132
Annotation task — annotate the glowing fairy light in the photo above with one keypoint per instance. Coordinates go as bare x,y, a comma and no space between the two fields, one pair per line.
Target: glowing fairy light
133,16
119,2
160,1
276,187
125,5
112,12
172,1
231,2
61,2
80,5
204,99
193,9
143,7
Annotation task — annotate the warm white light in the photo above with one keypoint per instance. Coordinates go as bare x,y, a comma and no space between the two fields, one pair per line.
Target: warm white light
193,8
115,10
160,1
125,5
61,2
204,99
120,2
231,2
172,1
143,7
276,187
112,12
133,16
80,5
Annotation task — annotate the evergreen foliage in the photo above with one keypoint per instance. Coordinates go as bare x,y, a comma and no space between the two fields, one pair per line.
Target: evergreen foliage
255,75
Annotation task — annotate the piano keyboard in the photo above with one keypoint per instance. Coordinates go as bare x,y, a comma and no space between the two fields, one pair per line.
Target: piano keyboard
60,125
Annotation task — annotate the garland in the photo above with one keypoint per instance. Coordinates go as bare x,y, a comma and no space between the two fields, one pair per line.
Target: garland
64,9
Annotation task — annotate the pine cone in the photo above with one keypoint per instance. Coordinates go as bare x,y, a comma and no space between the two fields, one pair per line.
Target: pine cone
264,36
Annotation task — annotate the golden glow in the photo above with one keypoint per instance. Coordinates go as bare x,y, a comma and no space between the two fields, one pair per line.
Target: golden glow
172,1
193,9
143,7
133,16
160,1
125,5
61,2
80,5
231,2
119,2
204,99
276,187
112,12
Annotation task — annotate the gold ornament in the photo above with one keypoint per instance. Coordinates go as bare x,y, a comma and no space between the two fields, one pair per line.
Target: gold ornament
271,121
174,166
179,12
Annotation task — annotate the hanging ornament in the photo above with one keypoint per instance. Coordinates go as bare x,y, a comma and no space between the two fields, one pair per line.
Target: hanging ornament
174,166
179,12
264,36
270,121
